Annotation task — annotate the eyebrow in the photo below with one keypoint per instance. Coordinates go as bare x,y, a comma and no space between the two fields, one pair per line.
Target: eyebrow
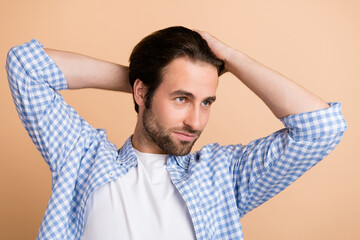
190,95
210,99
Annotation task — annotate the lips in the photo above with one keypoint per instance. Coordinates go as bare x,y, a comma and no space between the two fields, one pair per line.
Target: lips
185,136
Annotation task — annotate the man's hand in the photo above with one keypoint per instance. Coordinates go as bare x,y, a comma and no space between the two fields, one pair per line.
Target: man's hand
283,96
220,49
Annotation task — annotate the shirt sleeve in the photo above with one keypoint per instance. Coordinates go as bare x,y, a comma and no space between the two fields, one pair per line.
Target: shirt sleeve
34,80
266,166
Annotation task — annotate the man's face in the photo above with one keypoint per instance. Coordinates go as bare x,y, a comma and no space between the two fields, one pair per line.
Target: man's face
180,106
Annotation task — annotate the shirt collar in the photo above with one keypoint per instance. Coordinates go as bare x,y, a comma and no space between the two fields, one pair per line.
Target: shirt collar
182,161
127,154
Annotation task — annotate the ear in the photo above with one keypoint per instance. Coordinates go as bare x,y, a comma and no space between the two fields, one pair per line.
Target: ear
139,92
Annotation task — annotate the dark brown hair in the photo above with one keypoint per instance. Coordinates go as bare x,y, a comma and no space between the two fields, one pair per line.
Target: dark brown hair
156,51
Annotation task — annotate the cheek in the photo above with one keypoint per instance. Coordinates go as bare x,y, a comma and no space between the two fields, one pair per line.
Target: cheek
205,118
168,114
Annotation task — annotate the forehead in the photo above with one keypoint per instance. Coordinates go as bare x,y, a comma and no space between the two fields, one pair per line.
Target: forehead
197,77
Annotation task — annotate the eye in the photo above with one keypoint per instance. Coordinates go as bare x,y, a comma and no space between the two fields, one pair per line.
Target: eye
180,99
206,103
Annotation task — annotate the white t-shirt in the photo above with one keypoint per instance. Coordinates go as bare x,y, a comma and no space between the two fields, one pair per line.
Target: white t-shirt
143,204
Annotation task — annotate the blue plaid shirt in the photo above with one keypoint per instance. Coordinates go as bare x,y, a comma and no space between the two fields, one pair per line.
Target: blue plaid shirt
219,184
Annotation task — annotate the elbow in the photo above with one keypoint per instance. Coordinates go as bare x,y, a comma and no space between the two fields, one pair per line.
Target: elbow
12,62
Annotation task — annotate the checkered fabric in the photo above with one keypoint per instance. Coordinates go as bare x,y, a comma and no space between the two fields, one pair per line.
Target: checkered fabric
219,184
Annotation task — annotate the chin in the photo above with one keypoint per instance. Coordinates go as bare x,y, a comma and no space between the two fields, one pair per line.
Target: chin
182,151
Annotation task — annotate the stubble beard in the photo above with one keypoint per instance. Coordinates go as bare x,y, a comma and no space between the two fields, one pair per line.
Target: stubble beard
162,136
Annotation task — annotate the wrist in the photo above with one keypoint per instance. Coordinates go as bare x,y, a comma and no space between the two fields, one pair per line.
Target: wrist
229,54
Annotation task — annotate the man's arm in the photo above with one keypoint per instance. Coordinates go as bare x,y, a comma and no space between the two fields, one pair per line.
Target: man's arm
283,96
266,166
86,72
34,79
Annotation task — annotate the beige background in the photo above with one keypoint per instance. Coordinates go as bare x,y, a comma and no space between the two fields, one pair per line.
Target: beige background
315,42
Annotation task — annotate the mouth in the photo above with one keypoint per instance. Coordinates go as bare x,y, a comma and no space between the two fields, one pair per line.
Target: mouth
183,136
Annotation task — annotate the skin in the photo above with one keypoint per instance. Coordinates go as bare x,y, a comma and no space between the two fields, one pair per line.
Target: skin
179,110
283,96
82,71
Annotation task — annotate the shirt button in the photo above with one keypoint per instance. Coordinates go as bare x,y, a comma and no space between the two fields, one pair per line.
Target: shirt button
111,174
82,204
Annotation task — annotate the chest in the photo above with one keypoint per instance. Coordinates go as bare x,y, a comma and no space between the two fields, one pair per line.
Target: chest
204,196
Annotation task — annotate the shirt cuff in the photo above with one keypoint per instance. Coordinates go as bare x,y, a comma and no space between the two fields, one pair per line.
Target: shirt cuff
312,125
37,63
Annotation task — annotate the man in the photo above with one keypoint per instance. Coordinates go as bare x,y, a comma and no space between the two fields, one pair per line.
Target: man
153,187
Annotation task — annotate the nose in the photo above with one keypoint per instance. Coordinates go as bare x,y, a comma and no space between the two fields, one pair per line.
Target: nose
193,118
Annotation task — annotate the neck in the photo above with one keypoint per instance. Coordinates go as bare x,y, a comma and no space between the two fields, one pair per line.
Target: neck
142,142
